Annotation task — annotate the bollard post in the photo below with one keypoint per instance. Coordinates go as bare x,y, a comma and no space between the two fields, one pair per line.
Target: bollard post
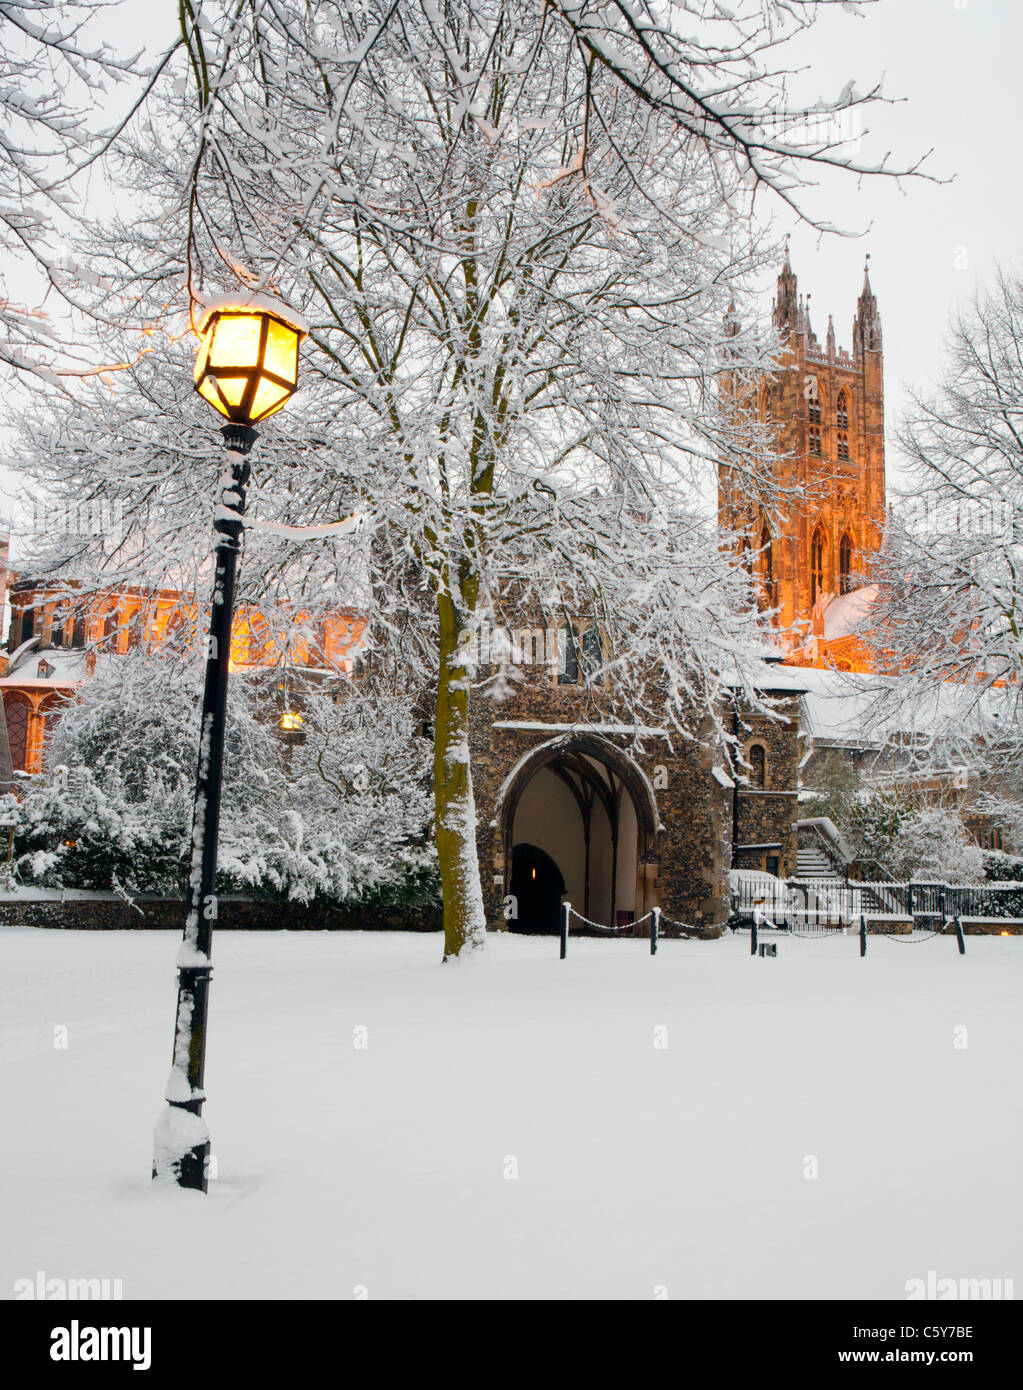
566,908
753,936
959,937
654,928
863,935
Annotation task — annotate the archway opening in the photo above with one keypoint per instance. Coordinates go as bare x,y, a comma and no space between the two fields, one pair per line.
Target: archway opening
589,811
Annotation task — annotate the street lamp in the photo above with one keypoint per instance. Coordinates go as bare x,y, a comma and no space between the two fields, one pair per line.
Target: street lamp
247,368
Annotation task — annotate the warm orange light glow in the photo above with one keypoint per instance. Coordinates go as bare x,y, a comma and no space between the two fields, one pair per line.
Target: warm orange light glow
534,873
291,719
247,364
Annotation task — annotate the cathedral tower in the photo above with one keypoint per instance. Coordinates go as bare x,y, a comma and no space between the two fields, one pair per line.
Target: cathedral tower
824,409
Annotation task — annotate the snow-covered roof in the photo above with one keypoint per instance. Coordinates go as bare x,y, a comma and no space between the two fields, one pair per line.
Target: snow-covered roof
763,668
68,667
863,709
242,300
845,614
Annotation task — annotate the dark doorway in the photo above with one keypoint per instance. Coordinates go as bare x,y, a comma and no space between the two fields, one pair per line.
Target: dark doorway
536,886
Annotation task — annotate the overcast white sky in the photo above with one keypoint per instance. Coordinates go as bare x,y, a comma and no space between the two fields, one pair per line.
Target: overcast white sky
956,64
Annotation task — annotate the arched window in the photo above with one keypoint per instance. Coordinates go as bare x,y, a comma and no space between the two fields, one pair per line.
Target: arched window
111,624
845,565
768,592
757,766
842,425
813,400
816,566
16,711
815,440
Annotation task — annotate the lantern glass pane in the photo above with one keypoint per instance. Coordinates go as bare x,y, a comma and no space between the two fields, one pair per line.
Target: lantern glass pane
232,388
269,397
236,341
208,391
203,355
281,355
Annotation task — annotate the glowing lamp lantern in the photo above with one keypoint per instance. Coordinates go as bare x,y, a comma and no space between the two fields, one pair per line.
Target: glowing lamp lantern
247,365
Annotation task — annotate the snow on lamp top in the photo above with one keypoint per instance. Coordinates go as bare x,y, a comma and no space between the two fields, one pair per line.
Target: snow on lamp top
247,365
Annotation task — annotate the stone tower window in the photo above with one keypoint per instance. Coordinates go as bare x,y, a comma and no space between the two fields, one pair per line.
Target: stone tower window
845,565
757,766
816,566
842,424
815,439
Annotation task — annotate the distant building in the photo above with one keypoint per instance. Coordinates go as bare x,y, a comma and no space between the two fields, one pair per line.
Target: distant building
55,642
822,408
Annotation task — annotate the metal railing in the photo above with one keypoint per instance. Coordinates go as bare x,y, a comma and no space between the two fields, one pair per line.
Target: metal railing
823,904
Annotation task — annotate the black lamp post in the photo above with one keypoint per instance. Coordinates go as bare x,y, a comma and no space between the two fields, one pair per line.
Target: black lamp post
247,368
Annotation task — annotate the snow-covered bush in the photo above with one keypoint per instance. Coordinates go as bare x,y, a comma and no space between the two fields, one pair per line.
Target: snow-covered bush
933,844
926,843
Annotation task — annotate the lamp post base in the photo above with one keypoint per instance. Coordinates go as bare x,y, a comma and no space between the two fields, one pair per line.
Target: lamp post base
181,1148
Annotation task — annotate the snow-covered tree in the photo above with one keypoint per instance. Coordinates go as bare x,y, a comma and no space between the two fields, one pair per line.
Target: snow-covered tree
66,95
516,231
913,841
950,618
933,844
339,816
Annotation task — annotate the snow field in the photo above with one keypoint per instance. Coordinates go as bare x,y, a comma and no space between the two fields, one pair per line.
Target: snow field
614,1125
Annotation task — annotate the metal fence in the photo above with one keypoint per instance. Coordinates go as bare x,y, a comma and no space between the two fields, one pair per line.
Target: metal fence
826,904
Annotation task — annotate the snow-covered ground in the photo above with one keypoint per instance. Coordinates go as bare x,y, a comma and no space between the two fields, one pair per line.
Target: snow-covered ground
680,1168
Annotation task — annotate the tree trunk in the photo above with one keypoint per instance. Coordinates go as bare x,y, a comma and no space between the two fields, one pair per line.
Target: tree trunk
464,918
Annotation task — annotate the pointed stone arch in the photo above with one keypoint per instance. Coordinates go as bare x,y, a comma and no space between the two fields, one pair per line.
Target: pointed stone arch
587,805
